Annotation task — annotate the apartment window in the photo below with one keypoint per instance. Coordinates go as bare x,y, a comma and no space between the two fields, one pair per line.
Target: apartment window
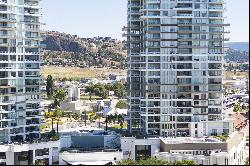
196,97
196,125
42,152
196,13
197,6
196,88
165,13
2,155
204,14
203,36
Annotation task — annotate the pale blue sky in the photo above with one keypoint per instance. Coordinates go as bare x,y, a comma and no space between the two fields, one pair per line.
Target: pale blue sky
89,18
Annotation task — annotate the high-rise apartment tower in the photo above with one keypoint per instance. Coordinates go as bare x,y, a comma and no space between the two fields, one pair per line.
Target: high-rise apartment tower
175,51
20,76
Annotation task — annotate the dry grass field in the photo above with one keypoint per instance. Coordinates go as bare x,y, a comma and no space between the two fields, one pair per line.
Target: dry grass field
231,73
75,72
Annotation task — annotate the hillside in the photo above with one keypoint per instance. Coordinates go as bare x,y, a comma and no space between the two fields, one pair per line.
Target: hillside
240,46
237,56
71,50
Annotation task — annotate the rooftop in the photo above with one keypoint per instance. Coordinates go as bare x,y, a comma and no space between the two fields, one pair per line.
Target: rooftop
181,140
91,158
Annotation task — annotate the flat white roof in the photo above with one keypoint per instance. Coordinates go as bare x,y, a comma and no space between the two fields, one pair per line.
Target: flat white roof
91,158
180,140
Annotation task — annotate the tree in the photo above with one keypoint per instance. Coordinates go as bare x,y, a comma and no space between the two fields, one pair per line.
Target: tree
109,87
243,107
247,161
58,116
127,162
59,96
237,108
52,117
154,161
120,90
76,116
122,104
50,86
92,116
90,89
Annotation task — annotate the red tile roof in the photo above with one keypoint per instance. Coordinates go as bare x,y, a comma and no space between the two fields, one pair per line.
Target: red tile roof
239,119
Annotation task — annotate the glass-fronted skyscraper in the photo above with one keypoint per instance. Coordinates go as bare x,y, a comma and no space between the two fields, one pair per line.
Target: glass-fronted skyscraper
176,53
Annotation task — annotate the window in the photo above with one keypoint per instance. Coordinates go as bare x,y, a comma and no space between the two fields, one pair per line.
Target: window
42,152
2,155
197,6
196,125
142,152
204,73
196,88
165,13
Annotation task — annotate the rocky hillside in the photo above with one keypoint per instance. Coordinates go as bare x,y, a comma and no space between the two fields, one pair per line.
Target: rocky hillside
71,50
237,56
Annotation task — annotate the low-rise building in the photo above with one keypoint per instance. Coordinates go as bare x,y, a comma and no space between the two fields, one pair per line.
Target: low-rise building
90,158
206,151
30,154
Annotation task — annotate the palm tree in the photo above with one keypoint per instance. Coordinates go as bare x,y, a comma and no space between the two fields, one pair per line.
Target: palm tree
58,116
52,117
59,95
76,116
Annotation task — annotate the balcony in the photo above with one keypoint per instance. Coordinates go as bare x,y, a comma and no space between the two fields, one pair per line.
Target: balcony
214,112
216,1
183,133
183,119
184,104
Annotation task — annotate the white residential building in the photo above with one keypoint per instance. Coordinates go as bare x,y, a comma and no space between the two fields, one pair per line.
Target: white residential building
176,54
20,77
203,151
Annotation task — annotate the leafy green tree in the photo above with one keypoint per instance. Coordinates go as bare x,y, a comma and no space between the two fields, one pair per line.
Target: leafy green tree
92,116
59,96
97,89
122,104
247,161
120,90
90,89
237,108
109,87
127,162
154,161
50,86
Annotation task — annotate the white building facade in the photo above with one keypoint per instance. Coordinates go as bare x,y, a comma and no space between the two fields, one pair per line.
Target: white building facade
20,77
202,151
176,55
